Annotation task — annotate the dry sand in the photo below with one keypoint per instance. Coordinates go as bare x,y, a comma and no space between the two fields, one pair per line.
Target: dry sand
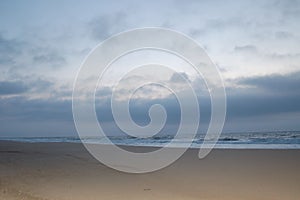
64,171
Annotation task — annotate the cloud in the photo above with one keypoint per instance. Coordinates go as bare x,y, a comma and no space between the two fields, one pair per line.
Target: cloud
20,116
22,56
289,9
246,48
258,99
283,35
178,77
12,87
255,105
49,58
281,56
105,26
264,96
248,38
9,48
26,109
278,83
25,86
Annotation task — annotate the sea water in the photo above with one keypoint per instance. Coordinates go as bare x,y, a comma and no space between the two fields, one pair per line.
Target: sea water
243,140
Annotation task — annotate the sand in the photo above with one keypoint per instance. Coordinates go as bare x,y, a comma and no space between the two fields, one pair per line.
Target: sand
61,171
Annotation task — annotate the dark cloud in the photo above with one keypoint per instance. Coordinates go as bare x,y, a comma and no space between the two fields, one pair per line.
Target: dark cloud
260,103
278,83
22,86
139,110
20,116
12,87
261,97
255,105
264,95
24,109
256,96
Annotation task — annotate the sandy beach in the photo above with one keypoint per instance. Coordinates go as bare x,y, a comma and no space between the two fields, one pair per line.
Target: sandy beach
64,171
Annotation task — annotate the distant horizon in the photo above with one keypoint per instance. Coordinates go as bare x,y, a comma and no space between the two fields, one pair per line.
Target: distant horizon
122,135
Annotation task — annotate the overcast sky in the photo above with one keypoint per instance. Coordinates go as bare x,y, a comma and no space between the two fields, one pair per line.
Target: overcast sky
255,45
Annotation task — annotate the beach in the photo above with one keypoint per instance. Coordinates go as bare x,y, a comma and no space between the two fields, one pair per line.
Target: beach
65,171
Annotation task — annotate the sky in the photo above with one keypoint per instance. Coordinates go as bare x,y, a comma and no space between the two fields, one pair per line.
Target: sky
255,45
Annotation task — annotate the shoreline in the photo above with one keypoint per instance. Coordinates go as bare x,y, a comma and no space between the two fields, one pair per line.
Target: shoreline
217,146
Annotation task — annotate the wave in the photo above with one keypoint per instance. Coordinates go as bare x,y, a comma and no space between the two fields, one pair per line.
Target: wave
228,139
277,140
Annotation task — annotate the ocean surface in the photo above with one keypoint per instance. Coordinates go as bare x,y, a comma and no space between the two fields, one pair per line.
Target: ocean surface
252,140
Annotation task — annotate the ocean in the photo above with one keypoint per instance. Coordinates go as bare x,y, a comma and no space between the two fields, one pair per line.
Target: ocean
244,140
